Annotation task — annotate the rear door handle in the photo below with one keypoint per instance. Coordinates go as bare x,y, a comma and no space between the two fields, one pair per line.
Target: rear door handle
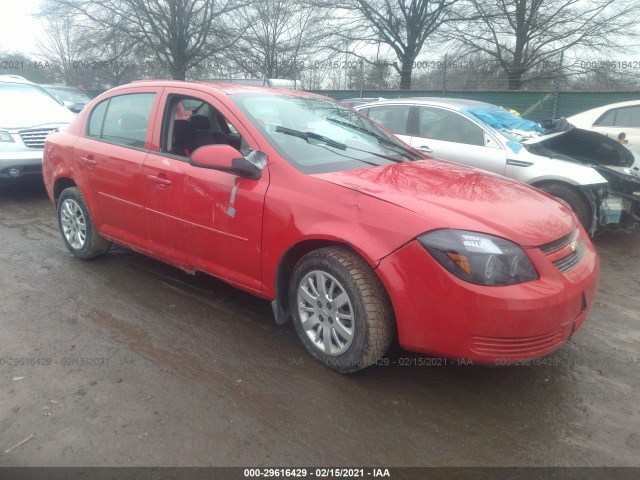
89,161
161,181
424,148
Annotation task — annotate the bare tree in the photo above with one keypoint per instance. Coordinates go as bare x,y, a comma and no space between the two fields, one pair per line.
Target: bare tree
277,38
379,76
64,45
180,33
403,25
527,36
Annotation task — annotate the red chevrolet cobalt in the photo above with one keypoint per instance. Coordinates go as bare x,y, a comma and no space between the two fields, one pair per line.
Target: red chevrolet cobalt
352,235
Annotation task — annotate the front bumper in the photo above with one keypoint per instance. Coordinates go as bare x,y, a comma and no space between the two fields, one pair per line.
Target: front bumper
23,155
437,313
26,163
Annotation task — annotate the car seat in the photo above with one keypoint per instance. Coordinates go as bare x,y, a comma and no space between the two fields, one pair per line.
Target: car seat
184,135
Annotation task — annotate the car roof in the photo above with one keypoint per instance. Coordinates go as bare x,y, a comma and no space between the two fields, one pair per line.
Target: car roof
226,88
57,85
603,108
453,103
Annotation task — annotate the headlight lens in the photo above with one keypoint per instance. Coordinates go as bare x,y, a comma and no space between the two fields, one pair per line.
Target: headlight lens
479,258
5,136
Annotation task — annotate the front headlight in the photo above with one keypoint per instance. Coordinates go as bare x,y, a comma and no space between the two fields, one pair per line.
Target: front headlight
6,137
479,258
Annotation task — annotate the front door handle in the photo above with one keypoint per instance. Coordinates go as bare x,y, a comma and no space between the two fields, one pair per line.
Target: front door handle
424,148
161,181
89,161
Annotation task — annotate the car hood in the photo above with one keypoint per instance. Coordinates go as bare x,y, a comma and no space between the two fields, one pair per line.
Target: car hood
562,140
448,195
582,146
26,116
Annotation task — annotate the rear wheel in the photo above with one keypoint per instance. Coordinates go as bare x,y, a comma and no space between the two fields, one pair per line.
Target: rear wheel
77,228
574,198
341,310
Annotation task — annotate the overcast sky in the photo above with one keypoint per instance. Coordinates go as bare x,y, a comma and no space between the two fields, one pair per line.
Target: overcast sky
18,30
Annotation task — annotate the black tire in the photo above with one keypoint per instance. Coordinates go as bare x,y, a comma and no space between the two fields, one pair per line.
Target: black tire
372,324
76,226
574,198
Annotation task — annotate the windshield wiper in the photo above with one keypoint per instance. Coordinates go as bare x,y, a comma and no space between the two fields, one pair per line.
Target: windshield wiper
380,138
330,143
310,135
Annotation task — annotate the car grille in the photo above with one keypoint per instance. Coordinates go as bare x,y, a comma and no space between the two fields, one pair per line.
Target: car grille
565,252
567,263
34,137
508,347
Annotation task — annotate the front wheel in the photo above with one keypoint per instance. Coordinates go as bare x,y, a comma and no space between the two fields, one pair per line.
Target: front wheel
341,310
574,198
77,228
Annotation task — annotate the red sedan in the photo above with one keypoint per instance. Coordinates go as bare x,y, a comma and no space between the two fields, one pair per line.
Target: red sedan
351,234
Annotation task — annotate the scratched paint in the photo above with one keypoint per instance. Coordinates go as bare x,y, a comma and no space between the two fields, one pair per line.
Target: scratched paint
231,211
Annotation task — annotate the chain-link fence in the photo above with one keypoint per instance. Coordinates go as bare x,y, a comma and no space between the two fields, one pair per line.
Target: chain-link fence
533,105
552,89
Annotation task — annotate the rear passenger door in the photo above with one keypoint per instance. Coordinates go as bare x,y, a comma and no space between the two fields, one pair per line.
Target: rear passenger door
109,159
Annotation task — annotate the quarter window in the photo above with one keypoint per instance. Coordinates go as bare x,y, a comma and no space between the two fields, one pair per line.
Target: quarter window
122,120
608,119
97,119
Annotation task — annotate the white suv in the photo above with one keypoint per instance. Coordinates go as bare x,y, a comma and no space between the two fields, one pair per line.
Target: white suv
583,169
27,115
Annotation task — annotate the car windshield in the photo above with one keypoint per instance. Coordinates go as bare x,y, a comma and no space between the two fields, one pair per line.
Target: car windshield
319,135
511,126
69,94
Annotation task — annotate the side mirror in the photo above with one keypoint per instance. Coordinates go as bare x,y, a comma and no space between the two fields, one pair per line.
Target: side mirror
227,159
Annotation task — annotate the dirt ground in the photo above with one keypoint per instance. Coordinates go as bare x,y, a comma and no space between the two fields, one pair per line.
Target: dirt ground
124,361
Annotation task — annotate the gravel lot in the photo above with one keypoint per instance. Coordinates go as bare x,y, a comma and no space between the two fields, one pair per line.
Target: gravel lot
124,361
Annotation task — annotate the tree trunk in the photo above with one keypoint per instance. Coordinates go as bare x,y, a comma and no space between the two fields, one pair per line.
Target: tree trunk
178,68
514,78
406,71
178,74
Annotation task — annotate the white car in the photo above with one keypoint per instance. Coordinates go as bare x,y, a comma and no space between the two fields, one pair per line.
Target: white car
611,120
575,166
27,115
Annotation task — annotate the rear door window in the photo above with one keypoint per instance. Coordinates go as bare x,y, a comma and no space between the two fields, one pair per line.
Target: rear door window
122,120
608,119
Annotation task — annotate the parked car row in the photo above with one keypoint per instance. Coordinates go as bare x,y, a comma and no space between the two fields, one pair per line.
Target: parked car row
27,115
353,235
595,175
29,112
357,234
70,97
